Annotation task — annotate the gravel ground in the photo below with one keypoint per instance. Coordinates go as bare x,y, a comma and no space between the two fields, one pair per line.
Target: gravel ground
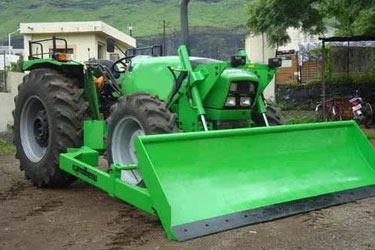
83,217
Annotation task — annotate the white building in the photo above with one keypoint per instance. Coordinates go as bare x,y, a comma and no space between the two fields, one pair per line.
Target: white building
259,50
11,49
297,37
85,39
9,58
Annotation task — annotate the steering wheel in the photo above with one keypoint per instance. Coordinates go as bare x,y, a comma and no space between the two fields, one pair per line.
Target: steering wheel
123,62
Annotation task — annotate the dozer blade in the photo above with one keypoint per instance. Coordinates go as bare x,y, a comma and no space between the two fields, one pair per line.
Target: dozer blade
206,182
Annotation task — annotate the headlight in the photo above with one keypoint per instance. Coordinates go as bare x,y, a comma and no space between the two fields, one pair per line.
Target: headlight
245,101
231,102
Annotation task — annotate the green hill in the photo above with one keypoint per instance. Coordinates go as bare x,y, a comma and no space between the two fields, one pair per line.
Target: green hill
145,16
218,27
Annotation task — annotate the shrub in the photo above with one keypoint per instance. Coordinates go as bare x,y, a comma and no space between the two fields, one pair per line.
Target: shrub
6,147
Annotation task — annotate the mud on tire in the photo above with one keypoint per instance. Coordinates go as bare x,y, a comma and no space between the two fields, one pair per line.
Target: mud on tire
57,124
143,110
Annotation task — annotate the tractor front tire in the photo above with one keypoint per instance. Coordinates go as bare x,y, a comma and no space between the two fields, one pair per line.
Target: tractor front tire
48,118
132,116
273,115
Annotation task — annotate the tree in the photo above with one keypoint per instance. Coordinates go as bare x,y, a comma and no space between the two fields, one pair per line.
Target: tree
365,23
273,17
353,17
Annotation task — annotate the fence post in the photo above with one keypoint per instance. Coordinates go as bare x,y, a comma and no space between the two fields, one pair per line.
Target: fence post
323,81
347,60
5,75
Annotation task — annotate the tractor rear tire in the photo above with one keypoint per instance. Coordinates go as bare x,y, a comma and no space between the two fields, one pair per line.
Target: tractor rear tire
273,115
131,116
48,118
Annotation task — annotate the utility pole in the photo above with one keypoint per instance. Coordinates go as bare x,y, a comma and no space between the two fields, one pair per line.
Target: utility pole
130,27
5,74
164,39
185,23
9,41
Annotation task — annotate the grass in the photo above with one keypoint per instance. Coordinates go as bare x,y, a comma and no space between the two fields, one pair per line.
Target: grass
145,16
6,147
371,136
369,244
370,133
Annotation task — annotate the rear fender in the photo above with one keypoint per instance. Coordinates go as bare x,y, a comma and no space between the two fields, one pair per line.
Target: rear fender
48,63
72,68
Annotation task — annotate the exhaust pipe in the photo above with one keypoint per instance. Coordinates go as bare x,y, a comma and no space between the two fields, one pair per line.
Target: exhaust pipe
185,23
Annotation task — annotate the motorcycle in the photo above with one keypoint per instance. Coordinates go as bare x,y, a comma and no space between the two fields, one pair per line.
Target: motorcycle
362,111
333,107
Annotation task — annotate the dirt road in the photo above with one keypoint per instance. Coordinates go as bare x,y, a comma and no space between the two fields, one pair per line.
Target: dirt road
82,217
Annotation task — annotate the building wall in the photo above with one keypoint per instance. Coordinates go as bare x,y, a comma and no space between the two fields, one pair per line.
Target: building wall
7,100
81,44
297,37
14,79
84,45
13,51
258,50
6,107
7,60
100,39
255,45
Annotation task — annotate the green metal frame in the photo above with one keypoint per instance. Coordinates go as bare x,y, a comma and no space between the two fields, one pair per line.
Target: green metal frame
183,189
203,93
31,64
205,88
91,95
83,163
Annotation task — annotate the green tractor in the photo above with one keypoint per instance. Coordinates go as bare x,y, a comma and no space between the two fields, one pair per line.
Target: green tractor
187,139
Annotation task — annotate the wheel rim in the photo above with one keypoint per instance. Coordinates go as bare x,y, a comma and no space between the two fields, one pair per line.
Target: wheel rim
122,147
34,129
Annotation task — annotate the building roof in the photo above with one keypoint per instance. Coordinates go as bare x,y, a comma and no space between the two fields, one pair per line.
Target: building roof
77,27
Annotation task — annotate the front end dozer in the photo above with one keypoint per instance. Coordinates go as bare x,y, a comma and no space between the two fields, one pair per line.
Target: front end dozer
266,174
205,182
200,178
